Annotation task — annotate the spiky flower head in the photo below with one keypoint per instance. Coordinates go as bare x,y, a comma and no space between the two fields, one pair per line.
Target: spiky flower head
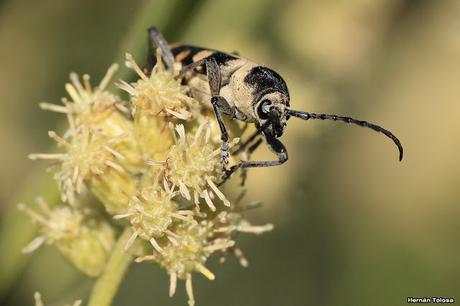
194,242
89,105
90,158
151,214
161,94
193,165
98,110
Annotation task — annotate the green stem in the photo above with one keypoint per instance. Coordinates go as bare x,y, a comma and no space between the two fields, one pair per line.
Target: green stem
107,284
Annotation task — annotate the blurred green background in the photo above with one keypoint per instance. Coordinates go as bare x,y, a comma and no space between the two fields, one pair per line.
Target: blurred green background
353,226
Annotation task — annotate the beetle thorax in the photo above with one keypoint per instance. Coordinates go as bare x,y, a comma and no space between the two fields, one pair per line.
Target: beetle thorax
239,93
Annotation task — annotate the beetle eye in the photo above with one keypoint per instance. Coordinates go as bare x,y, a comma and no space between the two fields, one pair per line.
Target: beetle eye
263,109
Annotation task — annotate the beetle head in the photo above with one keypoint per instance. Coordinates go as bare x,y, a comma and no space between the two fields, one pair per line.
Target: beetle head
271,112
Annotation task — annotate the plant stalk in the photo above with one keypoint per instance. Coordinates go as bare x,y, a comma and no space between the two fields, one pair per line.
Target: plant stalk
107,284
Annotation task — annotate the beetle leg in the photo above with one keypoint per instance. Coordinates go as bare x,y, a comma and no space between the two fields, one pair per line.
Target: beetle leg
156,40
224,134
214,77
224,107
251,149
219,105
251,138
191,66
275,146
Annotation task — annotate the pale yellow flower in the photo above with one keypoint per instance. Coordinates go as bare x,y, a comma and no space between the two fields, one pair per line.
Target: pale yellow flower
100,112
151,214
187,252
193,165
84,241
88,105
194,242
88,158
161,94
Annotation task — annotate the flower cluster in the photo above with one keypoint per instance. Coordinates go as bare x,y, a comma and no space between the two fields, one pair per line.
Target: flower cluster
153,163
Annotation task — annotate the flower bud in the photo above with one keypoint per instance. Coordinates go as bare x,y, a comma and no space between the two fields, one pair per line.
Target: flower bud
84,242
154,136
113,189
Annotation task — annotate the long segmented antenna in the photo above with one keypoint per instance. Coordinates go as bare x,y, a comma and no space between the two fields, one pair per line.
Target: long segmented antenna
306,116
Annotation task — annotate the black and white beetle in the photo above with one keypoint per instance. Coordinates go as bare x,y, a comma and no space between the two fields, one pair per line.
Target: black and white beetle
241,89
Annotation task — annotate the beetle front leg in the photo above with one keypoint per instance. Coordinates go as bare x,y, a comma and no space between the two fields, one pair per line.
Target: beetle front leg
220,106
242,146
224,134
250,150
275,146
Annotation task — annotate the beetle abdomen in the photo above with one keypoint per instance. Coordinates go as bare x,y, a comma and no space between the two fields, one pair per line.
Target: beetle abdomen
186,55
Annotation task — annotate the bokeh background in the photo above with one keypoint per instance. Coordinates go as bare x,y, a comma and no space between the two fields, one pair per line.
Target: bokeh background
353,226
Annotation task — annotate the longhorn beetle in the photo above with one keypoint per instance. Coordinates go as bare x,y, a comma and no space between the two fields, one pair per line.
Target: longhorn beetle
243,90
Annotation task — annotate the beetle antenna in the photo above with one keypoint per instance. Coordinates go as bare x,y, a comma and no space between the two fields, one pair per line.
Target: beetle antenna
306,116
